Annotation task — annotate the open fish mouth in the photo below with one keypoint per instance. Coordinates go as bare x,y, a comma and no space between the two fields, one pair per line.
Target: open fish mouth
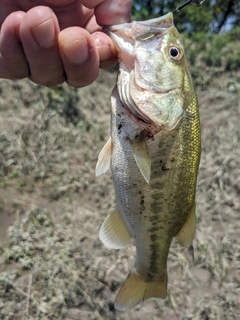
150,95
125,35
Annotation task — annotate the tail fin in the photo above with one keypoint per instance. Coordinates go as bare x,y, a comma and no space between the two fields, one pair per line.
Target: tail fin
137,289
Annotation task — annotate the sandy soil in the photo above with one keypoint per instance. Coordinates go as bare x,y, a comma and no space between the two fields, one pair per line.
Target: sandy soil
52,264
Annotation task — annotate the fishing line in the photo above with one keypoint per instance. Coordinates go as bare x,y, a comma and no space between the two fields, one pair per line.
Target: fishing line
197,2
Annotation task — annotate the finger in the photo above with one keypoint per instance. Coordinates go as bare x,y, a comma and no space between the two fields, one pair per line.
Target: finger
79,56
106,49
38,32
13,63
74,14
111,12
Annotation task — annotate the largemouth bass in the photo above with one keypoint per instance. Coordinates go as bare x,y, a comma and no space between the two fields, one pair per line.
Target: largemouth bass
154,153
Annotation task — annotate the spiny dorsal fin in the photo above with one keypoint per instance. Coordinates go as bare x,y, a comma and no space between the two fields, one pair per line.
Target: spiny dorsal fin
104,158
186,234
142,157
113,232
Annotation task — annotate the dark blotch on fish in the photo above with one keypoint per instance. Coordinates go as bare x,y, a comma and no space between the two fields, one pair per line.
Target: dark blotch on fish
119,127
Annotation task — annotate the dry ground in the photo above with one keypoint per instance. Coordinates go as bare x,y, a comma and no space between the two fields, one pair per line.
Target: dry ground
52,264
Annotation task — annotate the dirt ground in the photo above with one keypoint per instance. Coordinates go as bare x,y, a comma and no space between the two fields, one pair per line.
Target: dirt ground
52,264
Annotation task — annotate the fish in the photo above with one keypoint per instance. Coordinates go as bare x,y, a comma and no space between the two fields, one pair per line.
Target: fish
154,153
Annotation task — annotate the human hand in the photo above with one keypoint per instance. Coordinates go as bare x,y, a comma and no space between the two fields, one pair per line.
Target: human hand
53,41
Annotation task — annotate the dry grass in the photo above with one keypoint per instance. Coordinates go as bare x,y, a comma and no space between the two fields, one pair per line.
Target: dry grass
53,266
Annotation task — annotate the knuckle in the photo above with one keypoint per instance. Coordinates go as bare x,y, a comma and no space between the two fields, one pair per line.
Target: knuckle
17,70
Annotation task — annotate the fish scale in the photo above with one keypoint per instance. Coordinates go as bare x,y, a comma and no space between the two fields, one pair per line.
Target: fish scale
154,153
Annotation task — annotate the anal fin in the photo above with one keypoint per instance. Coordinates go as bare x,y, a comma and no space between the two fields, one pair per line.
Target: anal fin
142,157
186,234
104,159
113,232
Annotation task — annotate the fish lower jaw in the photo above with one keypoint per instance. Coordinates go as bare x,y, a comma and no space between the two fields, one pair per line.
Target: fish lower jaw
142,85
142,122
145,123
150,127
152,89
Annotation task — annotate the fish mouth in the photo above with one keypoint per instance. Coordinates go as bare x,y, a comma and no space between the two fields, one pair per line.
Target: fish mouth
125,35
125,38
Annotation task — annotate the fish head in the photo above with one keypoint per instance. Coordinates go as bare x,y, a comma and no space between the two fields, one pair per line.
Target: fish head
153,81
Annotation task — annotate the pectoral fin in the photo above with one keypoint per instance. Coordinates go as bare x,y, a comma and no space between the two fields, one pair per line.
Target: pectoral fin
186,234
113,232
104,159
142,158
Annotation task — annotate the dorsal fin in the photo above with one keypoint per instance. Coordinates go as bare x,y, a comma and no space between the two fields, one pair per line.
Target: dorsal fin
104,158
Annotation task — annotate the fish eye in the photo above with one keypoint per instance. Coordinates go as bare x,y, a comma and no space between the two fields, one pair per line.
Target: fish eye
175,53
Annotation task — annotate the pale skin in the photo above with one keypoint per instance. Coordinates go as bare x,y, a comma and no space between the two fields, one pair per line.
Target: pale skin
54,41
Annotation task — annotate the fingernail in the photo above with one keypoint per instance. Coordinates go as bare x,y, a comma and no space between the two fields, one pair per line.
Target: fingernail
44,34
76,51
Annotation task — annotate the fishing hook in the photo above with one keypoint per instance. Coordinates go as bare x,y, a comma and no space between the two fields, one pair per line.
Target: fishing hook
197,2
